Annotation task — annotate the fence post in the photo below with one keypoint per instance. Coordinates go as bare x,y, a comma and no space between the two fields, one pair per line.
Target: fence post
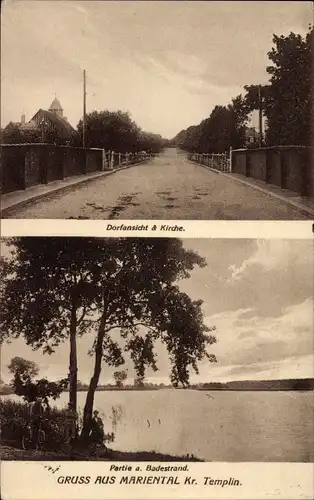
119,159
230,159
103,160
112,160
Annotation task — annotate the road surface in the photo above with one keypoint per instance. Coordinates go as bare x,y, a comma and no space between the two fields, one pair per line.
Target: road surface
167,187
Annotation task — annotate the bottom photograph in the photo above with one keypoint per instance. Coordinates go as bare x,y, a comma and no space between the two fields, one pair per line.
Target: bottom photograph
141,349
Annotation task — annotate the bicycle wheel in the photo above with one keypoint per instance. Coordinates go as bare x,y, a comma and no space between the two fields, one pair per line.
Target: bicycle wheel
41,438
26,442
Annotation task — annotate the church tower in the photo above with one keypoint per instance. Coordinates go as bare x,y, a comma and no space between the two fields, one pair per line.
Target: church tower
56,108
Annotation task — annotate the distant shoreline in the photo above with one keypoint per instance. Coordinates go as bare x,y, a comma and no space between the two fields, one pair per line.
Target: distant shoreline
296,385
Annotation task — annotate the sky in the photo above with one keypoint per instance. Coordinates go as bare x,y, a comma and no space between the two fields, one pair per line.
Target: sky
259,296
167,63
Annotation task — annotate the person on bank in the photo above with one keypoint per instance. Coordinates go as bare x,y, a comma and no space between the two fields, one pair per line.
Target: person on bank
36,413
97,434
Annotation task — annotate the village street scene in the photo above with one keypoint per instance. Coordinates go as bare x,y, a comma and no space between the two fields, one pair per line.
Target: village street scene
156,132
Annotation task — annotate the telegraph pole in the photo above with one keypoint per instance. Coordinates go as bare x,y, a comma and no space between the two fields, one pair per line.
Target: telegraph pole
260,116
84,106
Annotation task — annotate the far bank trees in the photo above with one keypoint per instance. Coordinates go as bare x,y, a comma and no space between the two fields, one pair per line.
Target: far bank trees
120,377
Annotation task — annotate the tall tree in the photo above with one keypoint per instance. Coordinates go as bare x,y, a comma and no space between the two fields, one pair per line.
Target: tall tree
287,101
143,304
224,128
110,130
217,130
239,117
48,294
124,290
289,104
22,368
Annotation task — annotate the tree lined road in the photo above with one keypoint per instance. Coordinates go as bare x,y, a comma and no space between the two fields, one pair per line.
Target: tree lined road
167,187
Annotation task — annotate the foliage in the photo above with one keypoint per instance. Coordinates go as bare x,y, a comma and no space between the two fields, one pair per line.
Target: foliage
286,102
224,128
117,412
13,134
23,368
49,294
14,420
116,131
289,101
120,377
150,142
122,290
139,382
24,385
104,129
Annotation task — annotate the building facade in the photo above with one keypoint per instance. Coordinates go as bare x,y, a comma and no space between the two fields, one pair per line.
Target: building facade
53,124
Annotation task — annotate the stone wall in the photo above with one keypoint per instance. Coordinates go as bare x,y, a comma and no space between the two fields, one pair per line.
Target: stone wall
289,167
27,165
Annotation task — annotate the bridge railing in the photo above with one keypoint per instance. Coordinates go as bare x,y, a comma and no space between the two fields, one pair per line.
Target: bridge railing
111,159
217,161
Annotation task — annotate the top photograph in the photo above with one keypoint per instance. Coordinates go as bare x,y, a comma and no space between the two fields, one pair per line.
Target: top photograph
157,110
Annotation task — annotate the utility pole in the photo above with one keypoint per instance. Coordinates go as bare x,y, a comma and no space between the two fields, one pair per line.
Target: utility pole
84,106
260,117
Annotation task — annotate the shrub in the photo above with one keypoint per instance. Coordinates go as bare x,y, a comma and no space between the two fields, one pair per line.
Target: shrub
14,419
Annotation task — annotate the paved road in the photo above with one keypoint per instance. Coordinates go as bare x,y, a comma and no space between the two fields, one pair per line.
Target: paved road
168,187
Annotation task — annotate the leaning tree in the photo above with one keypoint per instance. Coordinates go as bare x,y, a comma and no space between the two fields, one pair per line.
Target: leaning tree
142,305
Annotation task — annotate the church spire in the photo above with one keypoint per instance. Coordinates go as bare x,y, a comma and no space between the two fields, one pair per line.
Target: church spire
56,108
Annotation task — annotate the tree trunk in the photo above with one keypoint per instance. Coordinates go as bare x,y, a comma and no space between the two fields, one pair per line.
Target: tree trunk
89,404
73,360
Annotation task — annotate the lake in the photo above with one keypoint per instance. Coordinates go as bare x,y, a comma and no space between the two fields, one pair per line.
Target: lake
214,426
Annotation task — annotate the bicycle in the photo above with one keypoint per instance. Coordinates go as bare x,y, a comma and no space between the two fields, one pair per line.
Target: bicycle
28,438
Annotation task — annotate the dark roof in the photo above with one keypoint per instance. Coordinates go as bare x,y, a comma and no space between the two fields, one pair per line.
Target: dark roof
55,105
63,126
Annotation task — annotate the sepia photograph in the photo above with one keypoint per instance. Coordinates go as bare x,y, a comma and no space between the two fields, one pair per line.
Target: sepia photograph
156,350
163,110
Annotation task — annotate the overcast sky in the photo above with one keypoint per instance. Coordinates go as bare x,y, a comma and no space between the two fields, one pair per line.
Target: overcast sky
258,294
167,63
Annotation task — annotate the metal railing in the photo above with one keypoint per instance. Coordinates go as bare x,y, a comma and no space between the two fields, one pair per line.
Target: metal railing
217,161
112,160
